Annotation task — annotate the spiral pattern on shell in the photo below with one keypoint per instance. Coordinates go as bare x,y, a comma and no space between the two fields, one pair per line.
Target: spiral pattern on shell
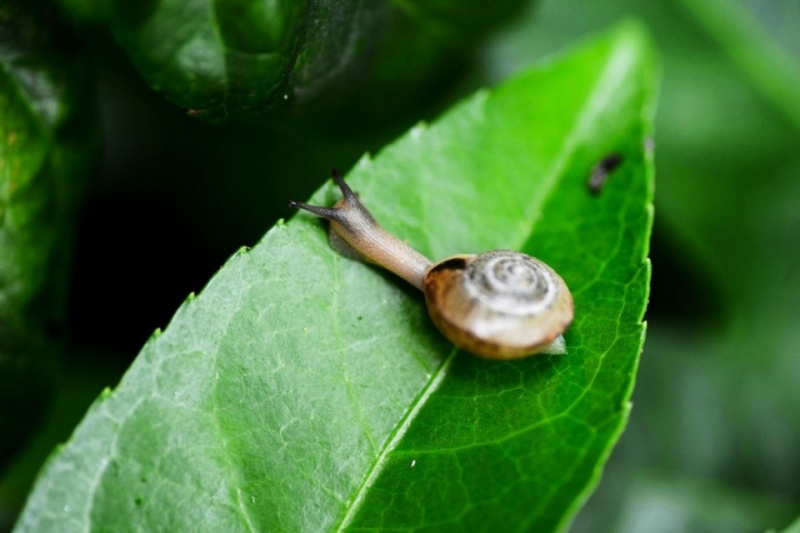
499,304
510,282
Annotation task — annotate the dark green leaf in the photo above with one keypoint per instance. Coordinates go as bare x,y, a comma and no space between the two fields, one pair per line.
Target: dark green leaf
794,527
243,59
44,149
302,391
755,48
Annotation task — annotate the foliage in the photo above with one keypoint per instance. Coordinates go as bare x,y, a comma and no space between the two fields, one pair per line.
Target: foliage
711,441
45,147
712,437
244,60
298,380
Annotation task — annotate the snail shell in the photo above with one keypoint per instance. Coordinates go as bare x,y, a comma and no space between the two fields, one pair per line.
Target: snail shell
499,304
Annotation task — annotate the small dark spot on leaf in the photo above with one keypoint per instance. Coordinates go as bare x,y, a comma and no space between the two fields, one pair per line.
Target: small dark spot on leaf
602,170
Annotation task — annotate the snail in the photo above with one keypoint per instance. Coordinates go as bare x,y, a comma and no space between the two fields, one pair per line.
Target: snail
499,304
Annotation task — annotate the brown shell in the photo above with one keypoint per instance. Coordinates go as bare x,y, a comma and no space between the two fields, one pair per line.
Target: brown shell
499,304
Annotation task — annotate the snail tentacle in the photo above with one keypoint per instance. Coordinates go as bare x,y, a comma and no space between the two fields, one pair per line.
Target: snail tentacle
353,228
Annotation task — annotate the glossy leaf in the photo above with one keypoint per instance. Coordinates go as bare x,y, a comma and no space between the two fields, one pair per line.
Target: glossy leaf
794,527
302,391
242,60
715,405
45,144
757,49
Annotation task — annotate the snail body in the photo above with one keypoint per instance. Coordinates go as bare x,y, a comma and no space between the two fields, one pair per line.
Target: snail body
499,304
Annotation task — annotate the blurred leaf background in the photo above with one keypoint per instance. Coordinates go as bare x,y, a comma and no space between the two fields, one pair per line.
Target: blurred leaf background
713,440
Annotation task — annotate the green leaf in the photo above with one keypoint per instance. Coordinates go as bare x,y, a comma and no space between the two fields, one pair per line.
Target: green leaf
715,400
46,142
302,391
794,527
242,60
770,65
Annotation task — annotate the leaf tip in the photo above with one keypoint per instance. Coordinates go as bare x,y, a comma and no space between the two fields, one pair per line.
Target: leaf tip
632,29
365,161
418,130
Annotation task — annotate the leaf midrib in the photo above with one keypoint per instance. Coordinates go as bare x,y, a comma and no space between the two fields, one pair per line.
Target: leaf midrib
391,443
